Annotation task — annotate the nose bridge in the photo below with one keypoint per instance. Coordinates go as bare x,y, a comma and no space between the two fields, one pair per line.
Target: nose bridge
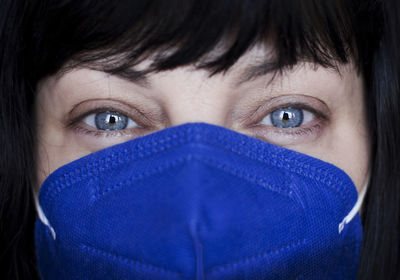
197,109
196,98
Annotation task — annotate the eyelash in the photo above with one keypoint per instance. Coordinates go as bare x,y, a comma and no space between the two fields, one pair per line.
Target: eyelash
75,125
262,131
258,129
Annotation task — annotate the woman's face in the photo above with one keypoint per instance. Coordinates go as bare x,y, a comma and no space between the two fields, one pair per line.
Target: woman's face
313,110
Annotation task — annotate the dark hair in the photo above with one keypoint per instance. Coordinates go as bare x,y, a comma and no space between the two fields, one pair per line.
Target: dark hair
40,37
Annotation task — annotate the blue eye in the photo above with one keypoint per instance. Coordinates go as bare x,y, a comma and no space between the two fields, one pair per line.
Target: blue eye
109,121
288,117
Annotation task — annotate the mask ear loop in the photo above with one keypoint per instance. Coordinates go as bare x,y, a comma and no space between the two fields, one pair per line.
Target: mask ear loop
356,207
42,217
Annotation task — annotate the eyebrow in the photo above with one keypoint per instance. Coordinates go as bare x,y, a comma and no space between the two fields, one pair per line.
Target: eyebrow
249,73
133,76
254,71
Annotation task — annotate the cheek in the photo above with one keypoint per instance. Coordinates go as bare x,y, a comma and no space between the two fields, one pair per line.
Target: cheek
53,154
56,147
345,142
352,153
346,145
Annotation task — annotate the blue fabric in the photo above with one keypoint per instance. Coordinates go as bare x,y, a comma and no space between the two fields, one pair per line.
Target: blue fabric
198,201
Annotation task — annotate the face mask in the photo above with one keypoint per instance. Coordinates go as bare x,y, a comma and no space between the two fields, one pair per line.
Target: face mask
198,201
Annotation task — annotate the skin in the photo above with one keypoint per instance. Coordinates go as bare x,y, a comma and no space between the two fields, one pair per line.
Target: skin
335,130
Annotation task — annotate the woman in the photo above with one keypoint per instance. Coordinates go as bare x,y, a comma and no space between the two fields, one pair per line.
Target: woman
318,78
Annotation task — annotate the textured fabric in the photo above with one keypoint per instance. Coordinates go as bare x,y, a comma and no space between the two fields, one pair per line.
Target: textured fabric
197,201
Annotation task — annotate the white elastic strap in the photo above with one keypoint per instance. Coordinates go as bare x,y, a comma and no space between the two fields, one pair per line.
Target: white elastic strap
356,207
42,217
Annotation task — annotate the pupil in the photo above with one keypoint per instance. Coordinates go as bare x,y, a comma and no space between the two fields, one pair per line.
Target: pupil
112,120
286,116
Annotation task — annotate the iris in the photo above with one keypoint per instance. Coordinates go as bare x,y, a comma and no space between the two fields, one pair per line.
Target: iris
111,121
287,117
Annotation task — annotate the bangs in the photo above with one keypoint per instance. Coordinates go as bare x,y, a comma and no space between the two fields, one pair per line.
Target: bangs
115,36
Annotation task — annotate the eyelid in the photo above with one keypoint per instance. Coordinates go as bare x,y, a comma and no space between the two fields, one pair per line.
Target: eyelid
305,117
88,107
300,106
288,137
311,104
94,111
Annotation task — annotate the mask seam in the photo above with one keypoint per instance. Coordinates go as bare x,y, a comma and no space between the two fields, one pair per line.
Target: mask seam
142,265
253,258
140,176
223,167
227,168
257,180
67,179
215,269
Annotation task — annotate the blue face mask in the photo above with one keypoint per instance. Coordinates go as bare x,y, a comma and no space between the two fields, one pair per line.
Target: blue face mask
198,201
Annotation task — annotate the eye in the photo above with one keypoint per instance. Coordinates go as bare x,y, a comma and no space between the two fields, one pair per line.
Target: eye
109,120
288,117
289,120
